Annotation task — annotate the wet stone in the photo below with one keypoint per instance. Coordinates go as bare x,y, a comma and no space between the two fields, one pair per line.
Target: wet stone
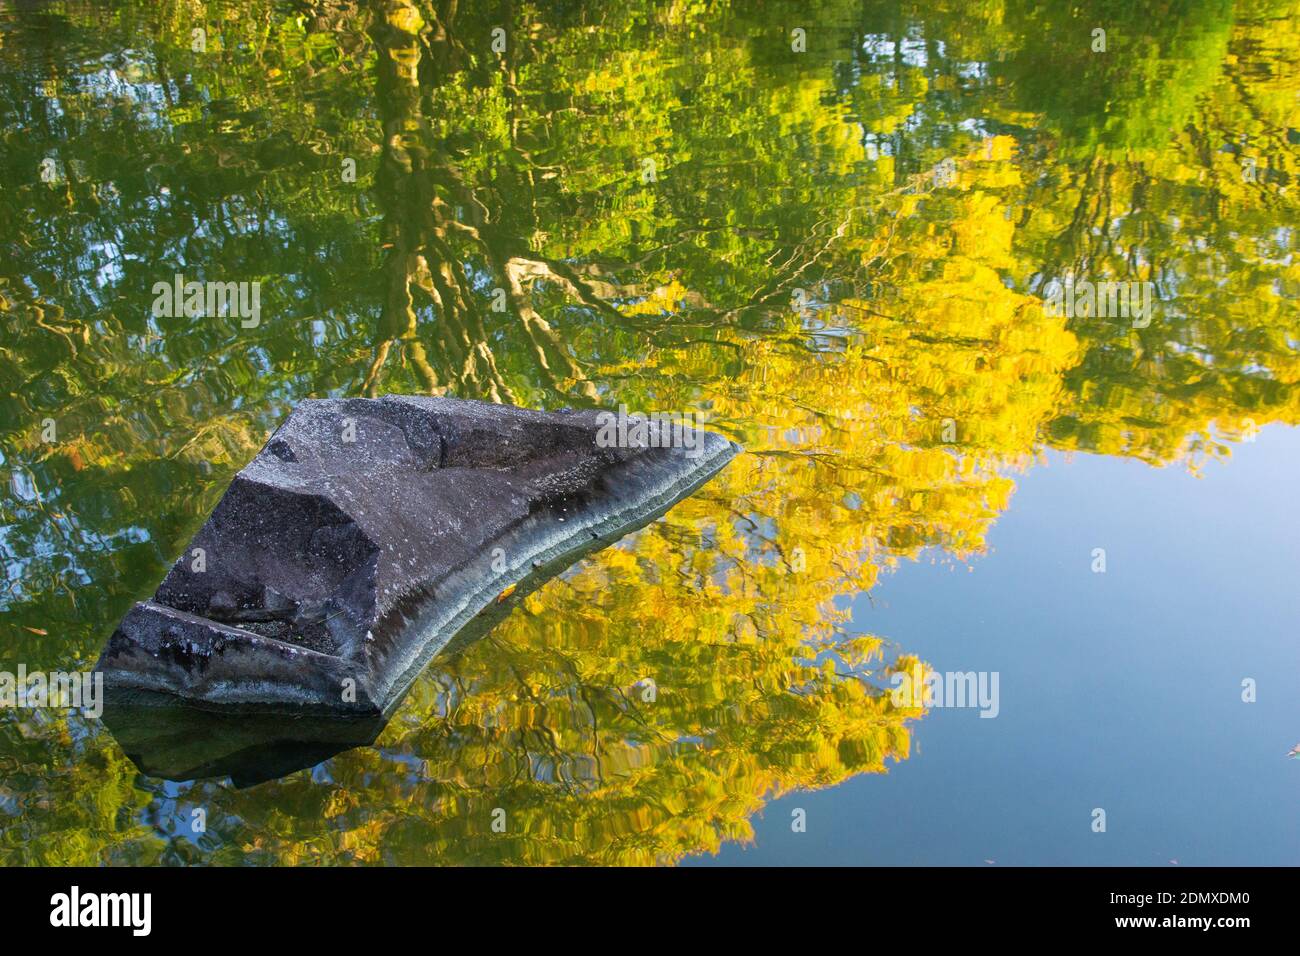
368,532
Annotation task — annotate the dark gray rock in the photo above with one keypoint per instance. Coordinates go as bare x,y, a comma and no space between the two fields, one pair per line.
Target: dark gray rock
169,737
368,533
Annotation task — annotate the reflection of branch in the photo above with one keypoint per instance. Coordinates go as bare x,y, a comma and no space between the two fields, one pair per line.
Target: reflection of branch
567,278
371,385
40,320
539,330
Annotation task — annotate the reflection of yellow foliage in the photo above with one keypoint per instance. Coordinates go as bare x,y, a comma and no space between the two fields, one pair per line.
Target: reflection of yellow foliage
649,702
663,299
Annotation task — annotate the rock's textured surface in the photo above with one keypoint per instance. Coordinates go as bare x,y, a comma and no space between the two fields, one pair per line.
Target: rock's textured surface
368,532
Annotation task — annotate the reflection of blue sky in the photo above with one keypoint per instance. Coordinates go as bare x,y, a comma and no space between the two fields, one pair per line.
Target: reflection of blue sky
1120,691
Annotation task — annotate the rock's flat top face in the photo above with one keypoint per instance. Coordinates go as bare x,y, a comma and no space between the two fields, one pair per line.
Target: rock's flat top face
358,512
352,503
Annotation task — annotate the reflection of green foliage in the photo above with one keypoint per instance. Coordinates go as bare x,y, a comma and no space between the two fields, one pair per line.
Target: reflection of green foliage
775,172
1159,58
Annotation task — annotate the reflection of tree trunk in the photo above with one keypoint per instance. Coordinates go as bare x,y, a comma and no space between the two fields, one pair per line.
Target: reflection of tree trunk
415,228
423,232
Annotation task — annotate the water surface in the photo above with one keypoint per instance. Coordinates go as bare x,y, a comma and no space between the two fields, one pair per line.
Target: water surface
836,245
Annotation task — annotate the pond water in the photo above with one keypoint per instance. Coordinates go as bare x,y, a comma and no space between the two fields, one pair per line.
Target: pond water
1000,300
